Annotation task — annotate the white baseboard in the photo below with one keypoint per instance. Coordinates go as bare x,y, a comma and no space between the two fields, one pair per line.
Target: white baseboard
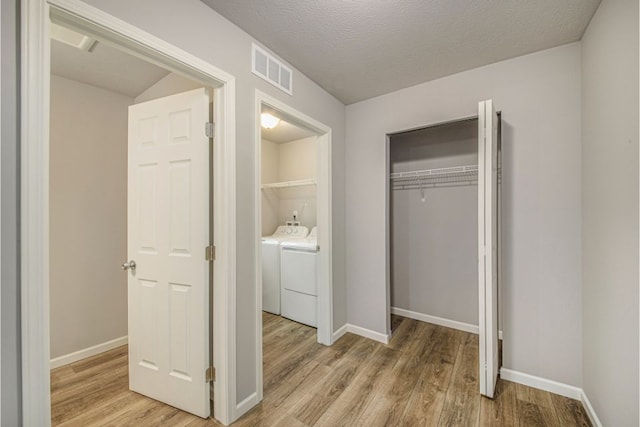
589,410
466,327
363,332
244,406
339,333
553,387
541,383
87,352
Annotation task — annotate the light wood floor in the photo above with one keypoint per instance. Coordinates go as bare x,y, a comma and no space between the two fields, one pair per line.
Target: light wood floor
426,376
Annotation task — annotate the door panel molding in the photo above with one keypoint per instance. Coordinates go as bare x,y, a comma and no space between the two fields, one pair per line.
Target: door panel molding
488,246
174,318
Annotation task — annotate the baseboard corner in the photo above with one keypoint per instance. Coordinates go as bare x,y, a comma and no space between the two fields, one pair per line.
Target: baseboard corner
339,333
367,333
540,383
591,413
246,405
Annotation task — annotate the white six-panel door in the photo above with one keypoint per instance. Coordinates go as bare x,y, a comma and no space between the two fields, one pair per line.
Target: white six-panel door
488,245
168,230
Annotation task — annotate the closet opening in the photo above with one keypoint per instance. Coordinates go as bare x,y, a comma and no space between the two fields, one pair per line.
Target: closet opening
293,248
443,230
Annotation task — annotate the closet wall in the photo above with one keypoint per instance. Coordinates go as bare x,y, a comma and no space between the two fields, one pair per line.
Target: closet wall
88,216
289,161
610,213
89,141
434,243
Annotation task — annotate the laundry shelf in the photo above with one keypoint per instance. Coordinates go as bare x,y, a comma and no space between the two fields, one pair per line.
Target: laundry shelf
288,184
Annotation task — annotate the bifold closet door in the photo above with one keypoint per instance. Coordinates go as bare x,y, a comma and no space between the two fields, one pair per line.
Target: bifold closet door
488,245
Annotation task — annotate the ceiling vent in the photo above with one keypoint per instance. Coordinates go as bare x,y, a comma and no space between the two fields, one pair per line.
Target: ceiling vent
268,67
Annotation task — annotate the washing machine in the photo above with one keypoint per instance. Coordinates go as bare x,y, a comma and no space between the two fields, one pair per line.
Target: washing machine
271,264
299,279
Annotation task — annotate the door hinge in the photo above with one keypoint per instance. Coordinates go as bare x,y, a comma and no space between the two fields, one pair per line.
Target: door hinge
210,374
209,129
210,253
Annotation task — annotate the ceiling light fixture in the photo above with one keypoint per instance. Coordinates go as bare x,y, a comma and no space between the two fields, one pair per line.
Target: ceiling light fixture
268,121
72,38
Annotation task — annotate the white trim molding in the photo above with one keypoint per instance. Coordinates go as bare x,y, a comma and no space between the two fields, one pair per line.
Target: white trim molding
551,386
87,352
246,405
36,16
454,324
339,333
363,332
593,417
545,384
467,327
34,213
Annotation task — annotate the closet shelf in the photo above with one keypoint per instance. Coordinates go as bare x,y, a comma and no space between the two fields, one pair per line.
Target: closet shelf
458,175
287,184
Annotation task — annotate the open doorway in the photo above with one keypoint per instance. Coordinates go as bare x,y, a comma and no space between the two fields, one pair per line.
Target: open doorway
129,181
34,188
293,225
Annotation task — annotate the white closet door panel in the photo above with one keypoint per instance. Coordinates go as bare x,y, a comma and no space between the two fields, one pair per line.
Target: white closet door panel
488,245
168,230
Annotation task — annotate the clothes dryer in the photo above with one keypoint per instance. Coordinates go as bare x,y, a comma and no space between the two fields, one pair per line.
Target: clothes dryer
271,264
299,290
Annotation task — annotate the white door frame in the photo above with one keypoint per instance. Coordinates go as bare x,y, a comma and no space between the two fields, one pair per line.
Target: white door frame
323,194
35,75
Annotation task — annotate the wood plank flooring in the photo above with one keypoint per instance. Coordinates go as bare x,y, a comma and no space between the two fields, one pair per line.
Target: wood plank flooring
426,376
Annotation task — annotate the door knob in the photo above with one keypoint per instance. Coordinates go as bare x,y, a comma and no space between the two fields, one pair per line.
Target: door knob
129,265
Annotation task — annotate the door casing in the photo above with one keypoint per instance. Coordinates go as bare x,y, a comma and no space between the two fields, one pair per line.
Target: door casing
323,195
481,313
36,16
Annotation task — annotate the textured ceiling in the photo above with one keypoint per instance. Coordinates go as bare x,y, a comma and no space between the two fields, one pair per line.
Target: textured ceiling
362,48
105,67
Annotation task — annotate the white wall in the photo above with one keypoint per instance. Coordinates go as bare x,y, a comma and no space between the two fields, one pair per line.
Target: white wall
171,84
197,29
610,212
539,95
289,161
270,168
88,216
434,243
298,160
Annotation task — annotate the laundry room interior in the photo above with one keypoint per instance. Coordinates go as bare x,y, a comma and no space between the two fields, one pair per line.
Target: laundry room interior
289,165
